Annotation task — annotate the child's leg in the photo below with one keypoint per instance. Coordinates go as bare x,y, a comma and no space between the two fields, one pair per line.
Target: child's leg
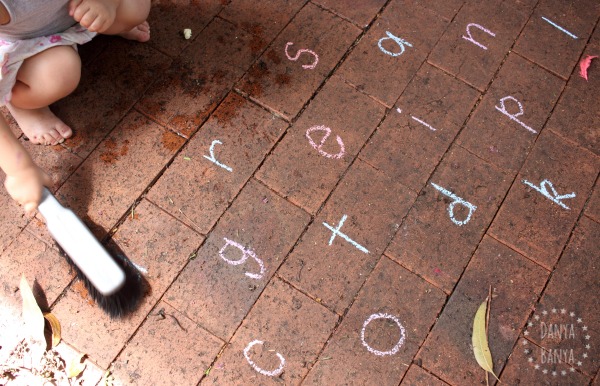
130,21
42,80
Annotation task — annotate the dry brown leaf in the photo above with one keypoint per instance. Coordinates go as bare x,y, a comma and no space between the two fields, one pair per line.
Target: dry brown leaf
481,349
34,322
54,327
75,367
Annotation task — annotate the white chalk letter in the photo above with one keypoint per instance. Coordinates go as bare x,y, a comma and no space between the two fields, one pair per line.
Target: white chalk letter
245,254
300,52
457,200
273,373
319,147
513,117
212,157
401,43
551,195
336,232
396,347
470,37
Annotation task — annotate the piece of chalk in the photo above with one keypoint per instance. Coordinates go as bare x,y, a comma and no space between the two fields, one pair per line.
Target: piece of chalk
187,33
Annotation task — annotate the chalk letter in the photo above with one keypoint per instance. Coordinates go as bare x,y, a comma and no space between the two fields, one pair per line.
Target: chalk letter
470,37
336,232
457,200
245,254
552,195
401,43
319,146
212,156
396,347
300,52
273,373
513,117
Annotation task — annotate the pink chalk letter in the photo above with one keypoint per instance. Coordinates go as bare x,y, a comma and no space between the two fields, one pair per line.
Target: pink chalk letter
319,146
470,37
513,117
273,373
300,52
245,254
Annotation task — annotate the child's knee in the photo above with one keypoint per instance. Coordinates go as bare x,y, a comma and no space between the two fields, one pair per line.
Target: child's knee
65,70
132,13
48,76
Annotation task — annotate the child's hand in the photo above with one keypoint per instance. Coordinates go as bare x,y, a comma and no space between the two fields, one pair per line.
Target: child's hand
95,15
26,186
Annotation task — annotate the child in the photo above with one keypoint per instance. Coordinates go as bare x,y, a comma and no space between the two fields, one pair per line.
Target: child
40,65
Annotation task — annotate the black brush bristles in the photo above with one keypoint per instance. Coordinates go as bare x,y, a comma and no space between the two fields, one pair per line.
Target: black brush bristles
126,299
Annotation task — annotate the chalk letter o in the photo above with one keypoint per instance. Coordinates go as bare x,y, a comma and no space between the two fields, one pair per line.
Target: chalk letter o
396,347
273,373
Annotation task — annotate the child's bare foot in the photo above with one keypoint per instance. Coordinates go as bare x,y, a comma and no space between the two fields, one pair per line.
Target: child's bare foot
141,33
41,126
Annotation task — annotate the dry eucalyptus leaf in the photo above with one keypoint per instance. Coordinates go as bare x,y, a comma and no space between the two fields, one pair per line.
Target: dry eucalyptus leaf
55,328
75,367
34,322
481,349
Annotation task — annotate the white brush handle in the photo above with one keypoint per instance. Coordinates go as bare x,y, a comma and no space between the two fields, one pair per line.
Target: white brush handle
81,246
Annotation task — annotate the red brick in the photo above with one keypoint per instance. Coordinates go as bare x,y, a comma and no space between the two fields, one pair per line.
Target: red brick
593,206
263,19
154,343
407,150
39,263
375,206
118,171
296,169
168,19
520,371
289,324
158,244
12,217
495,137
197,191
416,376
12,124
533,224
577,113
200,77
284,85
109,87
447,9
58,162
551,48
516,282
469,61
218,295
568,292
360,13
384,76
390,291
429,242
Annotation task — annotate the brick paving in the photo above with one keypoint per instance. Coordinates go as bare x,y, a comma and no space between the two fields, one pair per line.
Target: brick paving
323,192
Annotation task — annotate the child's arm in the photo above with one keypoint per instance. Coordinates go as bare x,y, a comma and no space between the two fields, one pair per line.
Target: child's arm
24,179
95,15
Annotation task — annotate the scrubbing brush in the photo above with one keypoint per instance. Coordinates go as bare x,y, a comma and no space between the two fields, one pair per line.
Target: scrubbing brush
114,284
